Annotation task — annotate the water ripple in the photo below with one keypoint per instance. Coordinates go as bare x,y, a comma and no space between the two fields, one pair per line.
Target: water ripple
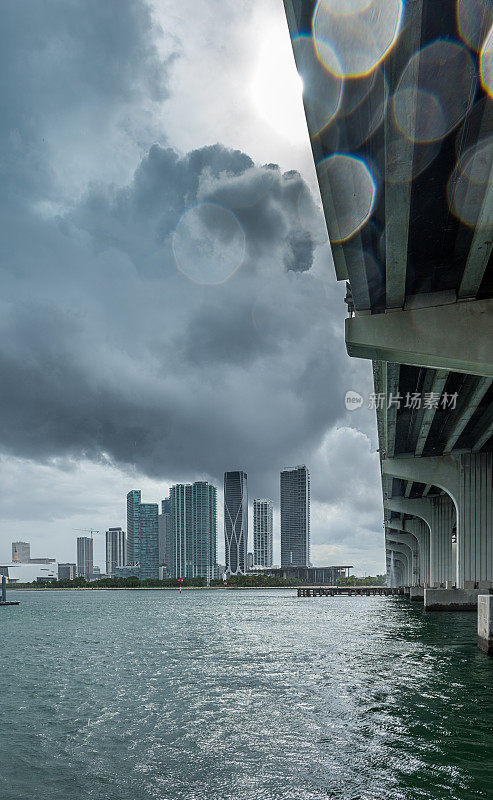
241,696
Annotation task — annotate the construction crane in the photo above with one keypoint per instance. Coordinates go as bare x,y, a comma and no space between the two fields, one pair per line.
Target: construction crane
86,530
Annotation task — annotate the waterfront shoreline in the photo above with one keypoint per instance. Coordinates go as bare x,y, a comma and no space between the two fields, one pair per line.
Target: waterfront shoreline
144,588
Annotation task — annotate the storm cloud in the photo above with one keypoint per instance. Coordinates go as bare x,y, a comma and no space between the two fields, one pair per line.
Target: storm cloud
108,347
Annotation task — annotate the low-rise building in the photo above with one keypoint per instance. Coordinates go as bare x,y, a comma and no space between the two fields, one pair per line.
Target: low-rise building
30,573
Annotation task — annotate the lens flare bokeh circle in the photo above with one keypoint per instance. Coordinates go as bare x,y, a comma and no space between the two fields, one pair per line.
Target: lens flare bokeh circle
474,19
355,36
435,91
470,183
353,192
322,90
486,64
208,243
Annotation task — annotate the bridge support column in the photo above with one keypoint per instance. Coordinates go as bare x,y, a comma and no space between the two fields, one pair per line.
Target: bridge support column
441,471
400,566
410,541
485,623
437,513
468,480
403,553
475,528
442,569
421,531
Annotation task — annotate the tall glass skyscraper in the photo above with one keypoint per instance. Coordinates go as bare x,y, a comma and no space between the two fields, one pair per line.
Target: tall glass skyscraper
262,533
142,535
116,547
295,517
235,521
193,545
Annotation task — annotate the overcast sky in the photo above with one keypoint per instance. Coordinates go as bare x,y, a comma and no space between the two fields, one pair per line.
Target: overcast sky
169,305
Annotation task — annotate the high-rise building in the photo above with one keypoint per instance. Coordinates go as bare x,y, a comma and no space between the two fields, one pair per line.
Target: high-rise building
21,552
67,570
116,550
84,557
142,535
295,517
193,530
235,521
164,523
262,532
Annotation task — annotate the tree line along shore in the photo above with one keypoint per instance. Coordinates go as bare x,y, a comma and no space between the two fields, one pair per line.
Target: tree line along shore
234,582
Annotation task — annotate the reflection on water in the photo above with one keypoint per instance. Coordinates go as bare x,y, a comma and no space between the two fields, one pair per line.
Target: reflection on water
241,696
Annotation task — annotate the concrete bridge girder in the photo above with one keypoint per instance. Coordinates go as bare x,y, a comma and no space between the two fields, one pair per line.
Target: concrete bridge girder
428,337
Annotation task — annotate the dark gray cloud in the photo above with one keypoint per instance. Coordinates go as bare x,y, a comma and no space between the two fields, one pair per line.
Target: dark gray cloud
76,78
108,347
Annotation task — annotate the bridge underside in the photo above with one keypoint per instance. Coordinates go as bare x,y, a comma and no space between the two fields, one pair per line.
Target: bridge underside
403,145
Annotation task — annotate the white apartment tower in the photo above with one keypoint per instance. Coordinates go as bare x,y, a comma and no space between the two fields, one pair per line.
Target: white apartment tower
262,532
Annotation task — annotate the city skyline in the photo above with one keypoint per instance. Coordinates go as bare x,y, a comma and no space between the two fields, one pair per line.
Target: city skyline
181,541
128,545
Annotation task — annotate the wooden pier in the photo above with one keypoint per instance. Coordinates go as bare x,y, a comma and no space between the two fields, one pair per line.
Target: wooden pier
349,591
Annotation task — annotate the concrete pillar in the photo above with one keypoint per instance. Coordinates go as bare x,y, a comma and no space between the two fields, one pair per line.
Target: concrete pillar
451,599
400,568
417,593
485,623
468,480
420,526
421,531
441,471
404,553
408,539
442,568
475,528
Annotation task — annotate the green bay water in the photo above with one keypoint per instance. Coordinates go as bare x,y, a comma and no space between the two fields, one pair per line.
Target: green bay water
241,695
